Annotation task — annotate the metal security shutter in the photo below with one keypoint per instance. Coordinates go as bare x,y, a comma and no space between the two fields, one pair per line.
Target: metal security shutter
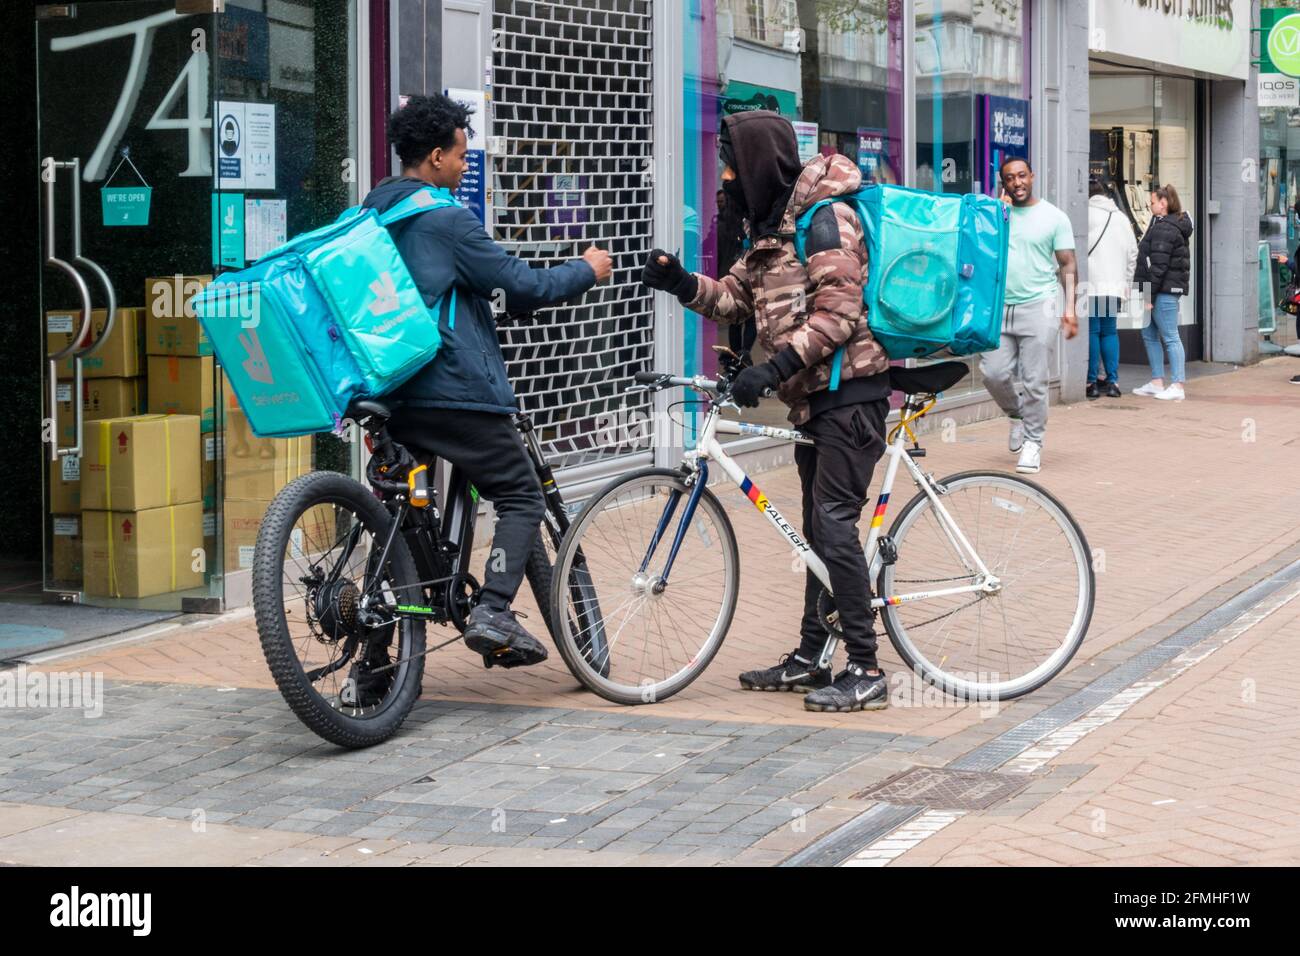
572,98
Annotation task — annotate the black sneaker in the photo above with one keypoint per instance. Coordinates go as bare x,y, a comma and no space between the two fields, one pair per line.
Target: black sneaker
1092,391
501,639
1112,390
791,673
1295,380
851,690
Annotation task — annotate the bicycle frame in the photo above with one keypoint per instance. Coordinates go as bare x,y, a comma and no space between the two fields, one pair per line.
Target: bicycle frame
709,449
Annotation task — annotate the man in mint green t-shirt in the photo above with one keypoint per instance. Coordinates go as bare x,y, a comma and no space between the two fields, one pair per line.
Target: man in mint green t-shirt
1040,257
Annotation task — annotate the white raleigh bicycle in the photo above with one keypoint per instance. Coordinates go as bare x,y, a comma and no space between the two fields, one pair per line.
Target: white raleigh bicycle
1006,573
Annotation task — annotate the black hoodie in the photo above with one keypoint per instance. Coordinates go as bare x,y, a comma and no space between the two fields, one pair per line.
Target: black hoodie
1164,259
762,149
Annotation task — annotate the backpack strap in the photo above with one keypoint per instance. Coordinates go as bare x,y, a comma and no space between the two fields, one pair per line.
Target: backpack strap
422,200
801,227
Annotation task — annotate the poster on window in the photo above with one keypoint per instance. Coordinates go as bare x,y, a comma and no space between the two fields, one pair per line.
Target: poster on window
871,153
245,145
1005,136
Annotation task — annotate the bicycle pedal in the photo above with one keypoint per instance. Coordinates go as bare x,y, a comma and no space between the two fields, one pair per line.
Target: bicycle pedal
888,550
508,657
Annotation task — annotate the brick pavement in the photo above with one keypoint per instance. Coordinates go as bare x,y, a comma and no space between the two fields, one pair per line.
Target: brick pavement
1203,772
716,775
1169,493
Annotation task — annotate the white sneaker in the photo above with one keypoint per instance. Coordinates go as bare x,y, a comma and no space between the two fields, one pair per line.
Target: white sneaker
1149,390
1030,458
1017,436
1174,393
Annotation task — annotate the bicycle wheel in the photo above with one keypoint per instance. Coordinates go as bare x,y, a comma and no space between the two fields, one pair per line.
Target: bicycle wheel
658,637
317,549
979,645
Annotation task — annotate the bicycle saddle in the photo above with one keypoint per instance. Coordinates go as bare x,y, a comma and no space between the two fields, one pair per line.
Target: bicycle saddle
927,379
369,407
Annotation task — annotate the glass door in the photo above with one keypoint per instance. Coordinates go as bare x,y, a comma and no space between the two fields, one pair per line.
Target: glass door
124,136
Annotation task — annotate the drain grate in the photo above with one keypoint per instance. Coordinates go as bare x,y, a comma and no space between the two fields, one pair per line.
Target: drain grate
943,789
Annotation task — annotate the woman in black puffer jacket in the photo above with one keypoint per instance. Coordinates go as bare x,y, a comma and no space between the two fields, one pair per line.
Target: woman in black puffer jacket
1165,266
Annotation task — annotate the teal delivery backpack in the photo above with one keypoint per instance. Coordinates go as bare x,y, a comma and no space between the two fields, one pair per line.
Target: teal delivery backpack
938,269
331,316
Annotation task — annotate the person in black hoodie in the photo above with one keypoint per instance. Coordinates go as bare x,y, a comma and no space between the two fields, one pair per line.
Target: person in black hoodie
1165,265
458,407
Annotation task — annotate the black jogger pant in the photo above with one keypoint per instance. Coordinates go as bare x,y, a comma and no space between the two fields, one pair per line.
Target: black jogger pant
835,474
488,448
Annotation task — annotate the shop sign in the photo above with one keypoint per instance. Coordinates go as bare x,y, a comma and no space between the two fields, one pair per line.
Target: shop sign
228,230
1209,36
1278,90
1280,47
746,97
125,205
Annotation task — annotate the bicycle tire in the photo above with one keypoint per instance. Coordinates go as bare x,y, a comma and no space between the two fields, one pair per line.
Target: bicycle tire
568,646
968,690
328,722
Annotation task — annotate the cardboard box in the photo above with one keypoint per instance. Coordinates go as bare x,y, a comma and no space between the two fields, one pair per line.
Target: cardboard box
312,533
257,468
142,553
65,486
119,357
66,549
171,327
148,461
100,398
167,297
180,385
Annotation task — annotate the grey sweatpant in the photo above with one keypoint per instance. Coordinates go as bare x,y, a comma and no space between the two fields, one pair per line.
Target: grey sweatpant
1030,332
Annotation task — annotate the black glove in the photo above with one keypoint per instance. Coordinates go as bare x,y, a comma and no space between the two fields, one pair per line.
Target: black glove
752,383
670,276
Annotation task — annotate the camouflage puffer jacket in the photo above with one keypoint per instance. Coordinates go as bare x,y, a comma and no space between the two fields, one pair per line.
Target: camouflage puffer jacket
813,308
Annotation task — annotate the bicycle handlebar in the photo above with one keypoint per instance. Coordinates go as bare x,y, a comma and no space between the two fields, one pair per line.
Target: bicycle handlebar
664,380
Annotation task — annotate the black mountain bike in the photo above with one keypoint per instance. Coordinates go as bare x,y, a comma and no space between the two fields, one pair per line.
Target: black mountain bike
345,579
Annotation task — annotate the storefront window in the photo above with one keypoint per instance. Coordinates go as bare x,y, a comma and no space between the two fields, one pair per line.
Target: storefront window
1279,170
833,68
1143,136
972,101
202,141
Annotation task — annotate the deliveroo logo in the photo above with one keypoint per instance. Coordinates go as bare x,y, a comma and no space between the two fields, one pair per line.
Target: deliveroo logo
385,290
256,367
1284,44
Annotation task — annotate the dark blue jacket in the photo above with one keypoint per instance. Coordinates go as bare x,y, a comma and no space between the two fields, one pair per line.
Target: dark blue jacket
447,246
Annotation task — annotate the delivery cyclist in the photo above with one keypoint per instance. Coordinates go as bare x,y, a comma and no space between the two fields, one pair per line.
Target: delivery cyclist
803,314
458,406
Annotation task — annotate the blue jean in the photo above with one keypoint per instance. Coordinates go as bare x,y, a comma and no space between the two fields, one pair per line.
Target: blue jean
1103,338
1163,332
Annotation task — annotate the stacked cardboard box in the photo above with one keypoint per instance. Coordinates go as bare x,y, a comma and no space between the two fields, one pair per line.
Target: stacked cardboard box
256,469
67,549
112,386
111,383
179,364
142,518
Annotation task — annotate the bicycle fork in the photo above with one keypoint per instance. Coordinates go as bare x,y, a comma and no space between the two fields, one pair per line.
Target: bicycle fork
670,507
